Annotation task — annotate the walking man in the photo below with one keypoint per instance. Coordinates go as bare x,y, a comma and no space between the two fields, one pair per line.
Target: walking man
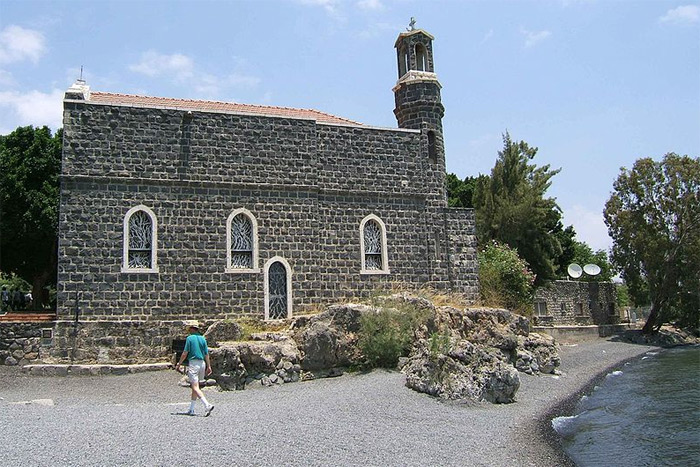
199,366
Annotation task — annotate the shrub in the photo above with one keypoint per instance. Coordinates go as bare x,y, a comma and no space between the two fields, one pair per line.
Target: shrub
439,343
505,279
388,334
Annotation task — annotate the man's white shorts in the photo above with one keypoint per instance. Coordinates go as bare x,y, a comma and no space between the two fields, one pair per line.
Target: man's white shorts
195,371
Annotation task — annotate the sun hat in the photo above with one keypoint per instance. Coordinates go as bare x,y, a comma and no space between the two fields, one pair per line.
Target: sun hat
192,324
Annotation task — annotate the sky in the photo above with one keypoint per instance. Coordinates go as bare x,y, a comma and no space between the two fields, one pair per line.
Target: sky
594,84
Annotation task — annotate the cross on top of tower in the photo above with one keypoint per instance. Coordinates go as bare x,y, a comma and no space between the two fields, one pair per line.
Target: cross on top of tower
412,24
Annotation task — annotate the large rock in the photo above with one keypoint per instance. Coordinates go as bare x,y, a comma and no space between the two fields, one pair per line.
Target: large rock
237,363
329,340
465,372
227,368
222,331
537,353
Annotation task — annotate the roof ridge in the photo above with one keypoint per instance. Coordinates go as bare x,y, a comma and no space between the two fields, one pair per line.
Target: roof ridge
210,101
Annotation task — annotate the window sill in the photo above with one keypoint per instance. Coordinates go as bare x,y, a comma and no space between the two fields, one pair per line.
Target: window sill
140,271
374,272
242,271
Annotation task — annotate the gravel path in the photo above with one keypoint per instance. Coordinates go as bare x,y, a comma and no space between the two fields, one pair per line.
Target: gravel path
360,419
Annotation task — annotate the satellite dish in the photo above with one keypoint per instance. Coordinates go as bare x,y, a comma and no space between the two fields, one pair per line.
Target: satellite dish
574,270
592,269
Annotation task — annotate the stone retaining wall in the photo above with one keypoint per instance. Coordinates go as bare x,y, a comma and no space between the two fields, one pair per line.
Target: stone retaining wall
22,343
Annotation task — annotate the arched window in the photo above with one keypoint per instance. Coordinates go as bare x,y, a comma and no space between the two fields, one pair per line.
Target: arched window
421,58
241,242
373,246
140,240
403,62
278,289
432,151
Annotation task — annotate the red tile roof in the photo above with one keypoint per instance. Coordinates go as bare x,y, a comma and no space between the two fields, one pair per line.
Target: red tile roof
204,106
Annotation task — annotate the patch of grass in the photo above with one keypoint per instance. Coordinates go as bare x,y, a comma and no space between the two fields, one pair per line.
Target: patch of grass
439,343
250,326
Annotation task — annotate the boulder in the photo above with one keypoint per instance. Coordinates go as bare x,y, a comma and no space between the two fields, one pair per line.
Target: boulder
227,368
329,339
466,372
222,331
540,350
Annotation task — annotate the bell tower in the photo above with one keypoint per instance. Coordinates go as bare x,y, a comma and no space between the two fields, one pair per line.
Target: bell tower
417,97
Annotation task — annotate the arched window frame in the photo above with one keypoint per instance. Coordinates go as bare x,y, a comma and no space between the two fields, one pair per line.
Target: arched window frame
154,240
421,57
229,257
403,62
385,259
266,285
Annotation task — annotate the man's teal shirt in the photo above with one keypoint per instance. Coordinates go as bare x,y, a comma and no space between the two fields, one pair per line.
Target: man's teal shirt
196,347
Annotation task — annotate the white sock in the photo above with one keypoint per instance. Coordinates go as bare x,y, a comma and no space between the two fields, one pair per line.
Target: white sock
205,402
192,402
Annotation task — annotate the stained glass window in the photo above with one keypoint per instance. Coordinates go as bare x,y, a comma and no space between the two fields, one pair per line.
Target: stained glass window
277,291
373,245
241,242
140,241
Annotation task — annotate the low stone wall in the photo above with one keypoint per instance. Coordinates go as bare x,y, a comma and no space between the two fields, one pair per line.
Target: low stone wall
22,343
579,333
114,342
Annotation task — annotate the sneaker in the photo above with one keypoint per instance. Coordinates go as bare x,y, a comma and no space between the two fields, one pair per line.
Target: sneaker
190,413
208,410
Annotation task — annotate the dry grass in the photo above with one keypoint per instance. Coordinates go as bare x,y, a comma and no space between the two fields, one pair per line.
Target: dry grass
251,326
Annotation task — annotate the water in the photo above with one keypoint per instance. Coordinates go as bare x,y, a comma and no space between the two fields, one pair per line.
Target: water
647,414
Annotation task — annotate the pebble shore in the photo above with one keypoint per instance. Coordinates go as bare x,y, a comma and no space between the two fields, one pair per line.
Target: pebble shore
356,419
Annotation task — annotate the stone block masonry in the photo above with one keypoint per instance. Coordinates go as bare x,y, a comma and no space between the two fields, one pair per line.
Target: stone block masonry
576,303
332,210
308,203
23,343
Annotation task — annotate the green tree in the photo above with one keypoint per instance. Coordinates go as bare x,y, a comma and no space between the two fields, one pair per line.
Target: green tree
30,162
460,193
511,208
567,241
584,254
505,280
653,217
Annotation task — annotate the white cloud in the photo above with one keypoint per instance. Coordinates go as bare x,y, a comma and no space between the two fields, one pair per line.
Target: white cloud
184,72
682,15
589,226
155,64
370,5
33,108
17,44
533,38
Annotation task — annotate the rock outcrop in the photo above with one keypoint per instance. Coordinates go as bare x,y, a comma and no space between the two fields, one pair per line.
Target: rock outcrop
329,340
471,354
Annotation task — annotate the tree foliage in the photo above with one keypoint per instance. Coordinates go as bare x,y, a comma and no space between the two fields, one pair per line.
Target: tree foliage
511,208
460,193
653,217
505,280
584,254
30,161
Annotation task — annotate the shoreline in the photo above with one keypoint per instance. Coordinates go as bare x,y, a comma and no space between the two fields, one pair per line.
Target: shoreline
565,404
356,419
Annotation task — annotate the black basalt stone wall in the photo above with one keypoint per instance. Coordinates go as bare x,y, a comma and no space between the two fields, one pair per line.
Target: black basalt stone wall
308,185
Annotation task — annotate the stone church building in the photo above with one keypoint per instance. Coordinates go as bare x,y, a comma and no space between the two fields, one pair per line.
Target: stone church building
177,209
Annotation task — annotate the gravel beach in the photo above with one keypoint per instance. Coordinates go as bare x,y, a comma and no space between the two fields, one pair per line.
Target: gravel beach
355,419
